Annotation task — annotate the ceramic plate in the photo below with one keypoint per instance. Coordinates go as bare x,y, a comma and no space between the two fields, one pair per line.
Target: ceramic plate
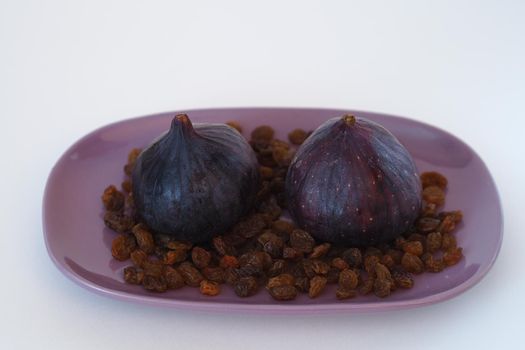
79,244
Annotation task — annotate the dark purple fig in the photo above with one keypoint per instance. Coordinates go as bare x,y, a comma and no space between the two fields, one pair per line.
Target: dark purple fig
195,181
352,182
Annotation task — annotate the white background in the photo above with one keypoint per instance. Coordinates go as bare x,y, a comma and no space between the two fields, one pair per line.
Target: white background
67,67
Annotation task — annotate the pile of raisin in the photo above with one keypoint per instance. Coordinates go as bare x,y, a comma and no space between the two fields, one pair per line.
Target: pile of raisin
264,252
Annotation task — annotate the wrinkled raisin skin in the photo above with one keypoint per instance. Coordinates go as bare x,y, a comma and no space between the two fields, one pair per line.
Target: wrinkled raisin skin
209,288
245,287
317,285
283,293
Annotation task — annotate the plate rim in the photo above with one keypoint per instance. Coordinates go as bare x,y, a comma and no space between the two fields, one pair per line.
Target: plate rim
277,308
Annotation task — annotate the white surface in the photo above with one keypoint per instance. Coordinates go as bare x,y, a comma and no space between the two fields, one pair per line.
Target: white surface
67,67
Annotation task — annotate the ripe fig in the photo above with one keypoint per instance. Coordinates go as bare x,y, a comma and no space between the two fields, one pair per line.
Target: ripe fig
352,182
195,181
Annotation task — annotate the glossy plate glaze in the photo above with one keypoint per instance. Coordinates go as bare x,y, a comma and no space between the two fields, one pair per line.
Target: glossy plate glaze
79,244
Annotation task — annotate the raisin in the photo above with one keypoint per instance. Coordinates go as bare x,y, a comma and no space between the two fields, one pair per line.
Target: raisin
144,238
269,210
281,280
174,256
426,224
122,246
192,276
266,172
168,243
229,261
173,278
255,259
231,276
370,264
283,293
249,270
340,264
317,285
118,222
434,194
271,243
452,256
282,156
138,257
395,254
214,274
245,287
432,264
126,186
447,225
320,250
297,136
275,143
348,279
302,284
402,278
412,263
263,132
133,155
448,242
432,178
282,226
353,257
388,261
153,268
457,215
413,247
413,237
250,227
209,288
113,199
428,209
433,242
382,272
308,268
291,253
319,267
398,243
382,288
277,268
234,124
266,160
221,247
200,257
342,293
132,158
367,286
302,241
234,239
297,269
154,283
132,275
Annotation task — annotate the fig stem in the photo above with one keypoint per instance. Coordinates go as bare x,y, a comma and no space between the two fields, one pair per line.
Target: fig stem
181,122
349,119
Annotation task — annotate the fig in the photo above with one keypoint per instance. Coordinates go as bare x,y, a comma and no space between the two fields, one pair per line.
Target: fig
353,182
195,180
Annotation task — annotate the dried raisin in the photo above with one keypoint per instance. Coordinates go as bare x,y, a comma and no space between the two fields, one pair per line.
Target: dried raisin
317,285
200,257
209,288
302,241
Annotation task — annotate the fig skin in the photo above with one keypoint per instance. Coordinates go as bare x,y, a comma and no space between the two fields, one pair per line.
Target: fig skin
195,181
353,182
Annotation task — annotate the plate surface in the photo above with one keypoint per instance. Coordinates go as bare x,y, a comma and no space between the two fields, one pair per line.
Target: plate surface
79,244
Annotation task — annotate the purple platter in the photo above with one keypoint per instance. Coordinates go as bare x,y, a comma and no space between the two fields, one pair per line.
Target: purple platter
79,244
